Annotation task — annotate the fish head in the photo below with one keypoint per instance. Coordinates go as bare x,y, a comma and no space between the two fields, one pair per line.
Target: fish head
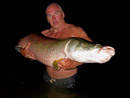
84,51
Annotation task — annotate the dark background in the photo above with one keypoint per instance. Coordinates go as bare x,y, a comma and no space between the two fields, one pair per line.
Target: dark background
101,21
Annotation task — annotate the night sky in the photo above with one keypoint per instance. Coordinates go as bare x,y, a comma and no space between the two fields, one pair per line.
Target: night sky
99,19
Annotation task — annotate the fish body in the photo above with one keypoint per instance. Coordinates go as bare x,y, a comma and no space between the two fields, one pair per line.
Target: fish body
48,50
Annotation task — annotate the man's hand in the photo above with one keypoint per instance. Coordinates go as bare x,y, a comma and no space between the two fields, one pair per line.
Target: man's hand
25,52
45,32
68,64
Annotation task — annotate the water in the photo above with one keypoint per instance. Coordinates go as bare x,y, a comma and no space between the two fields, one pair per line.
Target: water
23,78
26,82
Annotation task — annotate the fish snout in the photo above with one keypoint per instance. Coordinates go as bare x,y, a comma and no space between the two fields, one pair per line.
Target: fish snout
110,50
106,53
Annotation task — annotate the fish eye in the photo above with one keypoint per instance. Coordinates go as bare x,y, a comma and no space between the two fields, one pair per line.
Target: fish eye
87,46
98,45
84,44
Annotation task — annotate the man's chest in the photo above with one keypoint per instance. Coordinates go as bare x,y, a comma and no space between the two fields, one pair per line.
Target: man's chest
63,35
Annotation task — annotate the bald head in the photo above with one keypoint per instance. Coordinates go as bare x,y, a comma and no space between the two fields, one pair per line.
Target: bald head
55,15
53,6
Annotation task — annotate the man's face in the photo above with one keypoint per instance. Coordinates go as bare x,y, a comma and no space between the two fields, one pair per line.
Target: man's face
55,16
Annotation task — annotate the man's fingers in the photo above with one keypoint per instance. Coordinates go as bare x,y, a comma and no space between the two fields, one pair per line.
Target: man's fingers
67,63
59,65
31,57
27,46
45,32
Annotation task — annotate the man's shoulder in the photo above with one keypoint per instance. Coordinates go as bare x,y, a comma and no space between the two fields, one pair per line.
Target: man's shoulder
74,27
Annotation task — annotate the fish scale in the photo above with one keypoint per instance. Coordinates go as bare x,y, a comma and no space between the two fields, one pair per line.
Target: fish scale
44,50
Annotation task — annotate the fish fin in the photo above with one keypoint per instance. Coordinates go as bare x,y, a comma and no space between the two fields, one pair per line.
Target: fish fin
17,48
55,64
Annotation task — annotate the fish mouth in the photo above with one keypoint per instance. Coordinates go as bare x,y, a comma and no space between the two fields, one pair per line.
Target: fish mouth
105,60
108,49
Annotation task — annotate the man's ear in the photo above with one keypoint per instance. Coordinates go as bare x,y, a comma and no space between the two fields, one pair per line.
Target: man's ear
47,20
63,14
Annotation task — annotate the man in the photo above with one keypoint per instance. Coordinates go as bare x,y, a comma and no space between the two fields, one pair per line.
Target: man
65,77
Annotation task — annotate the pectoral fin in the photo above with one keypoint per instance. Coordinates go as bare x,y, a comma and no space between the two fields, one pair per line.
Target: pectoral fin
55,64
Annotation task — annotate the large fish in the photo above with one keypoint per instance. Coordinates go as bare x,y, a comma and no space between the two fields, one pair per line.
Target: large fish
48,51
